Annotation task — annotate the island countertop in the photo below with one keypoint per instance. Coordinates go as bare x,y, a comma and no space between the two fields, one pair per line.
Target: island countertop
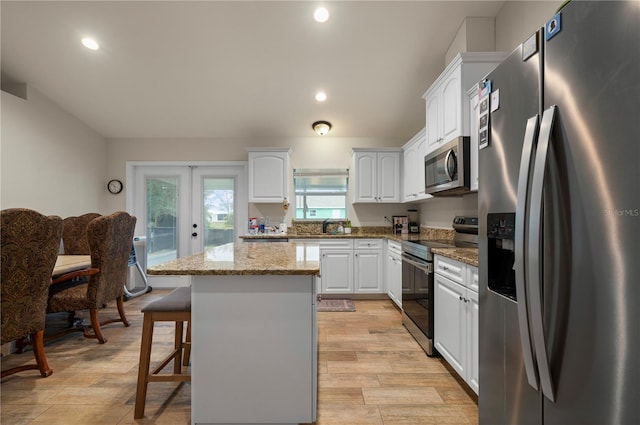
246,258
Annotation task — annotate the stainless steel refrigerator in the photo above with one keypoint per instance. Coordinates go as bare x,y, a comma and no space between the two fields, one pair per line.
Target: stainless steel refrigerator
559,223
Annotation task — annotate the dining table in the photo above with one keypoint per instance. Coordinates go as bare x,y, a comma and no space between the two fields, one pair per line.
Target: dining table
71,263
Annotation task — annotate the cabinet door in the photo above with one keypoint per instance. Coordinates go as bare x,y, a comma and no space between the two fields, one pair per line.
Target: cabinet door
394,279
268,176
366,178
473,359
451,106
472,278
473,140
434,133
336,270
368,271
388,279
421,151
388,178
450,322
409,173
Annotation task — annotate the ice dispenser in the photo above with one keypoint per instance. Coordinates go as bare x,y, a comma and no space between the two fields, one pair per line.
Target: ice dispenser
501,273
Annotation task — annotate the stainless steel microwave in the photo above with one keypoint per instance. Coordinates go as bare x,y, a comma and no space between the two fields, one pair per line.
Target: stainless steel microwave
446,170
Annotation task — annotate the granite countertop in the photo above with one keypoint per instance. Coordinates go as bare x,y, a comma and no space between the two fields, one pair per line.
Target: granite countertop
465,255
271,236
247,258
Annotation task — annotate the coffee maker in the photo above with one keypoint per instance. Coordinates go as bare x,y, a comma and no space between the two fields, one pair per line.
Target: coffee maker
414,221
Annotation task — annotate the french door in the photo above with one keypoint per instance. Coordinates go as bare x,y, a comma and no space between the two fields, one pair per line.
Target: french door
186,209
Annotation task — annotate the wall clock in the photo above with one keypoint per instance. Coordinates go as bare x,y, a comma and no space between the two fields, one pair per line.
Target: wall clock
114,186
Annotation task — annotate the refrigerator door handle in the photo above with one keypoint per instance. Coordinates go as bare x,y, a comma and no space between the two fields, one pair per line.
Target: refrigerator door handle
530,135
533,263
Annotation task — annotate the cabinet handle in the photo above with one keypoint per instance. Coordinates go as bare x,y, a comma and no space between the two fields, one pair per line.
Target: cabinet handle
445,268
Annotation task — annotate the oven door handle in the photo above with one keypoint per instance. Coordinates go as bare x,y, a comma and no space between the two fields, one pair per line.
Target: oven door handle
425,267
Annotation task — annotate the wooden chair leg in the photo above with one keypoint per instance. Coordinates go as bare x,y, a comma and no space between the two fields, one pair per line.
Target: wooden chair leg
187,346
177,344
37,341
143,368
120,304
95,325
38,352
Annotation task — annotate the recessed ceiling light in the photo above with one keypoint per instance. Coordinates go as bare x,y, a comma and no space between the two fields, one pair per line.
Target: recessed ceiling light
90,43
321,14
321,96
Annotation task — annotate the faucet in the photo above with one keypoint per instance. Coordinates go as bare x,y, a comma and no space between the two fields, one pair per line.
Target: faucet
325,224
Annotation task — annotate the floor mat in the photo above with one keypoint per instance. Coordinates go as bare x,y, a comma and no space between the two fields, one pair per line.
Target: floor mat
336,305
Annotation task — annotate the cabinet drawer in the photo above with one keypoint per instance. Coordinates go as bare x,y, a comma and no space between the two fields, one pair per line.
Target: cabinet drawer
454,270
368,244
336,244
472,278
394,247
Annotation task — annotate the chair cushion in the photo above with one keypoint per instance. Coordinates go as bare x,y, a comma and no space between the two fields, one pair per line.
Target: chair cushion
178,300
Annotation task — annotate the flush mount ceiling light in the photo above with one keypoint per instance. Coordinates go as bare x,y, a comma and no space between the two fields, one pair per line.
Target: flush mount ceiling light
321,96
321,127
90,43
321,14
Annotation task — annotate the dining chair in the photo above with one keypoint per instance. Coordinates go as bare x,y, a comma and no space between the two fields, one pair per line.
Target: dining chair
110,238
74,234
30,243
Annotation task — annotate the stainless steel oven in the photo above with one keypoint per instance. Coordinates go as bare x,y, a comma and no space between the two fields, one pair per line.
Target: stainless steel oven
446,170
417,279
417,296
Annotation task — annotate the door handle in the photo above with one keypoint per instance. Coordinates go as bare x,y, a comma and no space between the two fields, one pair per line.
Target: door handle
449,155
530,134
535,236
194,234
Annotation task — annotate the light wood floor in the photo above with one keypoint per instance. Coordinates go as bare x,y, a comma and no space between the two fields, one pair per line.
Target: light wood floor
371,371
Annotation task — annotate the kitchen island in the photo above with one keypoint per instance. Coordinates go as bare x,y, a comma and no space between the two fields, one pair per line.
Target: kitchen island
254,338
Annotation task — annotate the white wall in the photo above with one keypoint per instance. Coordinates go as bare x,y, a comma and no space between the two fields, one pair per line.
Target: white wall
517,20
308,152
50,161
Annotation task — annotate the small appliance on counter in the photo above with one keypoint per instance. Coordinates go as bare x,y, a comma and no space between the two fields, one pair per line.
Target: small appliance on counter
414,221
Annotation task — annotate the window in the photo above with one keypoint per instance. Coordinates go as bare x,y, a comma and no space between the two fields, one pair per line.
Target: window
320,194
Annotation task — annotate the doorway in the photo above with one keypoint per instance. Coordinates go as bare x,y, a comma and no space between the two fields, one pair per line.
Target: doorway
184,209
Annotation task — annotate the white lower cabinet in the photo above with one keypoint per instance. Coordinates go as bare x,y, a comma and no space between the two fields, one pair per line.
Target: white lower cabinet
350,266
456,317
393,272
336,266
367,270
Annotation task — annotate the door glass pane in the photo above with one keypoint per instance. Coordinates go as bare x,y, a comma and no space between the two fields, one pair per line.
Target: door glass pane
218,201
162,207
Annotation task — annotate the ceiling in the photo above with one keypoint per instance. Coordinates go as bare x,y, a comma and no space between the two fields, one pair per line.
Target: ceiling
234,69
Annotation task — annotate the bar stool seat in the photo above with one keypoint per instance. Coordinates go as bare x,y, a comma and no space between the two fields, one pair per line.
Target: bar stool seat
174,307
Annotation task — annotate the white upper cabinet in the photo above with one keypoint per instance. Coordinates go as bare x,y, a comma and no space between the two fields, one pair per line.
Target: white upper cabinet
447,104
376,175
269,174
474,104
413,168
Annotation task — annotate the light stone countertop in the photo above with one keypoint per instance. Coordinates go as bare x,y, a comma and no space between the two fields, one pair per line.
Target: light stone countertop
464,255
247,258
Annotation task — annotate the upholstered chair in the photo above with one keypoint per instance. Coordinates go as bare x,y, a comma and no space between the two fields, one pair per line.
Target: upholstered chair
110,239
29,248
74,234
